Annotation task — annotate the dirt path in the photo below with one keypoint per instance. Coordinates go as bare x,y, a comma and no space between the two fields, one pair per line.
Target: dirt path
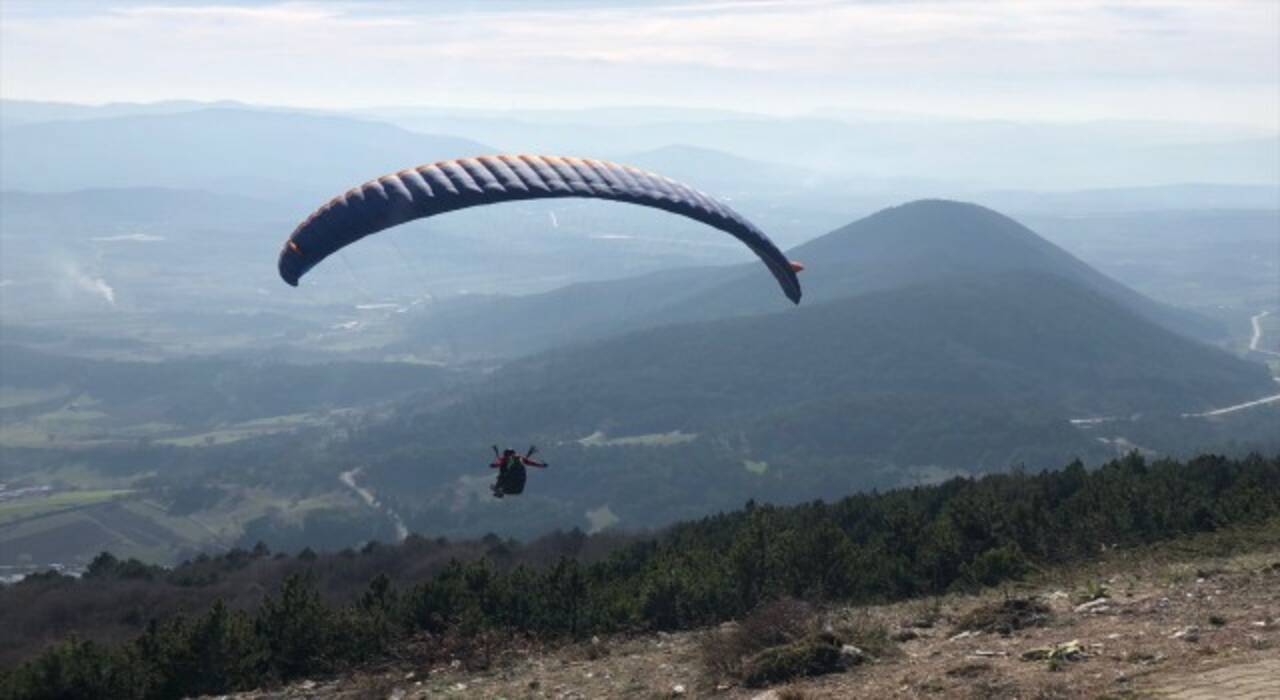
1255,681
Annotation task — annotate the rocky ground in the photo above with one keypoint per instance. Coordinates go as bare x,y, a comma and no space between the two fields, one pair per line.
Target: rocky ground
1161,624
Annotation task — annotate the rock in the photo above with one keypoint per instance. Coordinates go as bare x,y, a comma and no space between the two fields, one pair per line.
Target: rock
396,694
1190,633
984,652
307,684
456,663
964,635
409,676
767,695
678,689
1066,651
905,635
852,656
1097,606
459,687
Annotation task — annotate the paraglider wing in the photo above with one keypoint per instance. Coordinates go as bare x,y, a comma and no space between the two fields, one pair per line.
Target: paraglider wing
467,182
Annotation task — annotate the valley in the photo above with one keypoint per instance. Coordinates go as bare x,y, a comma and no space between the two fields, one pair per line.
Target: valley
949,337
585,349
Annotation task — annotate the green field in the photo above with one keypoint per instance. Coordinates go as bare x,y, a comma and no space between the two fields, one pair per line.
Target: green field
15,397
23,508
247,429
86,422
675,437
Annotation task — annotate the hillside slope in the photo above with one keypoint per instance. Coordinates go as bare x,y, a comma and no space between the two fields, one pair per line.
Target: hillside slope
488,606
1134,644
1013,336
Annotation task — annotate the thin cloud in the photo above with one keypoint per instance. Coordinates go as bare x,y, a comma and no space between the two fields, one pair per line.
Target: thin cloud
1055,58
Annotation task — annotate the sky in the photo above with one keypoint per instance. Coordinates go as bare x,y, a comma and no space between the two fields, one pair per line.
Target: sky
1046,60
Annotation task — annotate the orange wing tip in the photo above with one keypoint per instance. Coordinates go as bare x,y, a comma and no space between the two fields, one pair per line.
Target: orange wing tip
796,266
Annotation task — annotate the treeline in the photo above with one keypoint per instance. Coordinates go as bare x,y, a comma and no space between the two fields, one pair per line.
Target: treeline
865,548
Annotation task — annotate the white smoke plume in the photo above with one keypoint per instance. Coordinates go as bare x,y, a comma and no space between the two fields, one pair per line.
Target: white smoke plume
83,281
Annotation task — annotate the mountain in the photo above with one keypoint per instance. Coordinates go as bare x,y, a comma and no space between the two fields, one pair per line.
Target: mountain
924,240
255,152
960,373
1018,334
907,245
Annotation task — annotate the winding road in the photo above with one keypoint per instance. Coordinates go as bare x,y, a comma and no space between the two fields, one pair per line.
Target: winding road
1254,346
1238,407
349,478
1256,340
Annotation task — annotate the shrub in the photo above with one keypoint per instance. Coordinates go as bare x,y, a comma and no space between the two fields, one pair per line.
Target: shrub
814,655
1006,616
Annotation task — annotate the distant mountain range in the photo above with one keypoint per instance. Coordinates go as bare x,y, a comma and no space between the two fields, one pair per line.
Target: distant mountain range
855,156
1136,199
16,112
977,154
253,152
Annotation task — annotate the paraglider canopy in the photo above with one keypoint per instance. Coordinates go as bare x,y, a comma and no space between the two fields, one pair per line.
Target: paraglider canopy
451,185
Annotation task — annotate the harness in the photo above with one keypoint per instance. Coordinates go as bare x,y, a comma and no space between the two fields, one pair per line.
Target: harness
512,475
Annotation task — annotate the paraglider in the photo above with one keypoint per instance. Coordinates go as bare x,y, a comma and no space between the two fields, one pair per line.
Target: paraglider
511,470
451,185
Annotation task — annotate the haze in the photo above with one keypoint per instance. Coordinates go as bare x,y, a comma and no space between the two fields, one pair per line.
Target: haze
1064,60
